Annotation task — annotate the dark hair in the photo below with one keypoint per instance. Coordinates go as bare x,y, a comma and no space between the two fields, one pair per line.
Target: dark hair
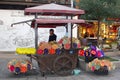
51,30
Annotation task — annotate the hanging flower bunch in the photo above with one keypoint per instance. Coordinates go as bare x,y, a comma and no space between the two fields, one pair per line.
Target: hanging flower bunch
91,51
26,51
66,42
96,64
19,66
49,48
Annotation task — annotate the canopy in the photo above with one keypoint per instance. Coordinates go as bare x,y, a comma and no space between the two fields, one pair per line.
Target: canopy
49,23
88,24
54,10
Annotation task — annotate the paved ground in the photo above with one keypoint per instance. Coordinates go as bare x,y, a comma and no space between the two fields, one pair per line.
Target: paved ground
35,75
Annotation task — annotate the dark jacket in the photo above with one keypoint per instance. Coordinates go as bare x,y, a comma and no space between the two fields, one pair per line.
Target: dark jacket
52,38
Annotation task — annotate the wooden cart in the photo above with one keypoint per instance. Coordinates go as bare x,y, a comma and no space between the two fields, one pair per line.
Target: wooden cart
60,64
64,63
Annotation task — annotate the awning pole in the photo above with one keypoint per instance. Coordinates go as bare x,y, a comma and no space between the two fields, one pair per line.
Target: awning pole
71,35
22,22
67,27
36,34
71,24
72,5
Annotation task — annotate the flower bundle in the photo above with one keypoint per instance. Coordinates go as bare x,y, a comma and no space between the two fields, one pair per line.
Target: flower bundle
19,66
49,48
97,64
66,42
91,51
26,51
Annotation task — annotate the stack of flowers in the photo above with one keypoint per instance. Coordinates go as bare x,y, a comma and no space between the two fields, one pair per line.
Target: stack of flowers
101,65
55,47
66,42
49,48
19,66
91,51
26,51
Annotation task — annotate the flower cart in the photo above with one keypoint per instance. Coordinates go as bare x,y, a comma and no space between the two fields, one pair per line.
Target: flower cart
60,60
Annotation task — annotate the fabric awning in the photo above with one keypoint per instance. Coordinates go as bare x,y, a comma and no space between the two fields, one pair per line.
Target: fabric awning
53,9
49,23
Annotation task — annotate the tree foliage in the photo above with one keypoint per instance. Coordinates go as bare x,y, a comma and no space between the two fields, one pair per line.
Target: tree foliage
99,9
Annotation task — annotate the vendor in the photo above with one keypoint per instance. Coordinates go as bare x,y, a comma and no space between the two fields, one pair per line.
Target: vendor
52,36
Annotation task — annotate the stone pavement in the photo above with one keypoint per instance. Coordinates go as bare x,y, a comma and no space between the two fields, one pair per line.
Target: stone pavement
35,75
113,53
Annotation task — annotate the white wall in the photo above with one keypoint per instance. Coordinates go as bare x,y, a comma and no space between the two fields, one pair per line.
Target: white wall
20,35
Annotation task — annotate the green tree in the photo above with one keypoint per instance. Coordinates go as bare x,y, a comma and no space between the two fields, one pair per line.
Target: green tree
99,10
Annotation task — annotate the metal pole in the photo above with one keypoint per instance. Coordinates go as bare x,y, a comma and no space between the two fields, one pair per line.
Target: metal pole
22,22
67,26
71,35
72,3
71,25
36,34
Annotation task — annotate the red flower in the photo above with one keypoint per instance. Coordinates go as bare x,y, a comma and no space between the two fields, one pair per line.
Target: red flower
60,41
99,54
12,68
52,51
93,52
67,46
40,51
78,45
81,52
23,69
93,68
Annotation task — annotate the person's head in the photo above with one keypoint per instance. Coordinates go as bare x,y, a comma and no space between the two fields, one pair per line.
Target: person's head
51,31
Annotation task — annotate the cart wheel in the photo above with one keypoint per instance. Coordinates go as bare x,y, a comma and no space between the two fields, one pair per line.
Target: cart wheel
42,74
63,65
